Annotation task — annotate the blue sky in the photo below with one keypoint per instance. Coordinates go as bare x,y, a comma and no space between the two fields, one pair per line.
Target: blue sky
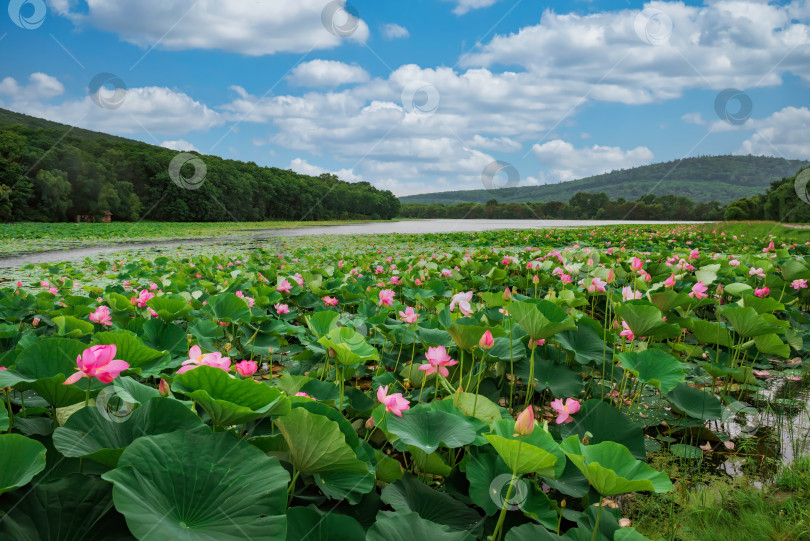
423,95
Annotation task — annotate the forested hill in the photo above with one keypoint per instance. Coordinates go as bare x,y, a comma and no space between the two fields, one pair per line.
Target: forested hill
52,172
705,178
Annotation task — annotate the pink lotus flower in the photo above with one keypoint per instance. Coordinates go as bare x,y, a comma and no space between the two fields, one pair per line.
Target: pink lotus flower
525,422
762,292
284,286
101,316
463,302
394,403
439,361
98,362
670,282
801,283
486,341
53,291
301,393
756,272
636,264
734,262
386,297
246,368
699,291
409,315
628,294
153,286
142,298
330,301
35,321
282,308
627,333
566,279
565,411
298,279
196,358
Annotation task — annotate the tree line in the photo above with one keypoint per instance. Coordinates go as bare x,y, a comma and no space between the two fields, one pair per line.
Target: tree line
786,200
49,176
582,206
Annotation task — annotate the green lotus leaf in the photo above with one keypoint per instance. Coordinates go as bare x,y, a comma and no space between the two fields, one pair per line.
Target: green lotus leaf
707,332
72,327
695,402
585,344
668,299
68,508
310,524
646,320
229,308
320,323
200,486
465,333
350,347
746,321
96,434
402,526
428,429
167,308
23,458
605,423
654,367
317,444
410,494
542,320
230,401
612,470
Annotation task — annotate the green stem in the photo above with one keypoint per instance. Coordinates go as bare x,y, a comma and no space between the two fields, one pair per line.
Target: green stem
496,534
530,383
87,393
291,489
598,516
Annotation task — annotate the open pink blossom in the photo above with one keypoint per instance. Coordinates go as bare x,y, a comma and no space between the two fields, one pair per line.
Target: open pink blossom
801,283
196,358
98,362
756,272
330,301
565,411
409,315
282,308
438,360
636,264
142,298
101,316
246,368
394,403
670,282
734,262
628,294
386,297
699,291
284,286
463,301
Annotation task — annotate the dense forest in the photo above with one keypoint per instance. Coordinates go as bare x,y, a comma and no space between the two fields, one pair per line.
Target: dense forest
703,178
50,172
583,206
785,201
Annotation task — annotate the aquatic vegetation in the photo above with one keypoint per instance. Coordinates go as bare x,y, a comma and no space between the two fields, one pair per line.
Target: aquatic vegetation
491,385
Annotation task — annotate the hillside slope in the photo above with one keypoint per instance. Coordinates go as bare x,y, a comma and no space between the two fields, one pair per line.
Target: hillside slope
52,172
706,178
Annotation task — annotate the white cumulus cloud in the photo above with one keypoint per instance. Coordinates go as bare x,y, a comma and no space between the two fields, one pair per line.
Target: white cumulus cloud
327,73
565,162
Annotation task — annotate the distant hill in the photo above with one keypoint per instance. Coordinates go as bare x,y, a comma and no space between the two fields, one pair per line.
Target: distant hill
51,172
702,179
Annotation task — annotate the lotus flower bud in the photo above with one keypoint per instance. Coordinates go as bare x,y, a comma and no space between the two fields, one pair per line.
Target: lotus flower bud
507,294
535,279
611,277
525,422
163,388
36,321
332,353
370,423
486,341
